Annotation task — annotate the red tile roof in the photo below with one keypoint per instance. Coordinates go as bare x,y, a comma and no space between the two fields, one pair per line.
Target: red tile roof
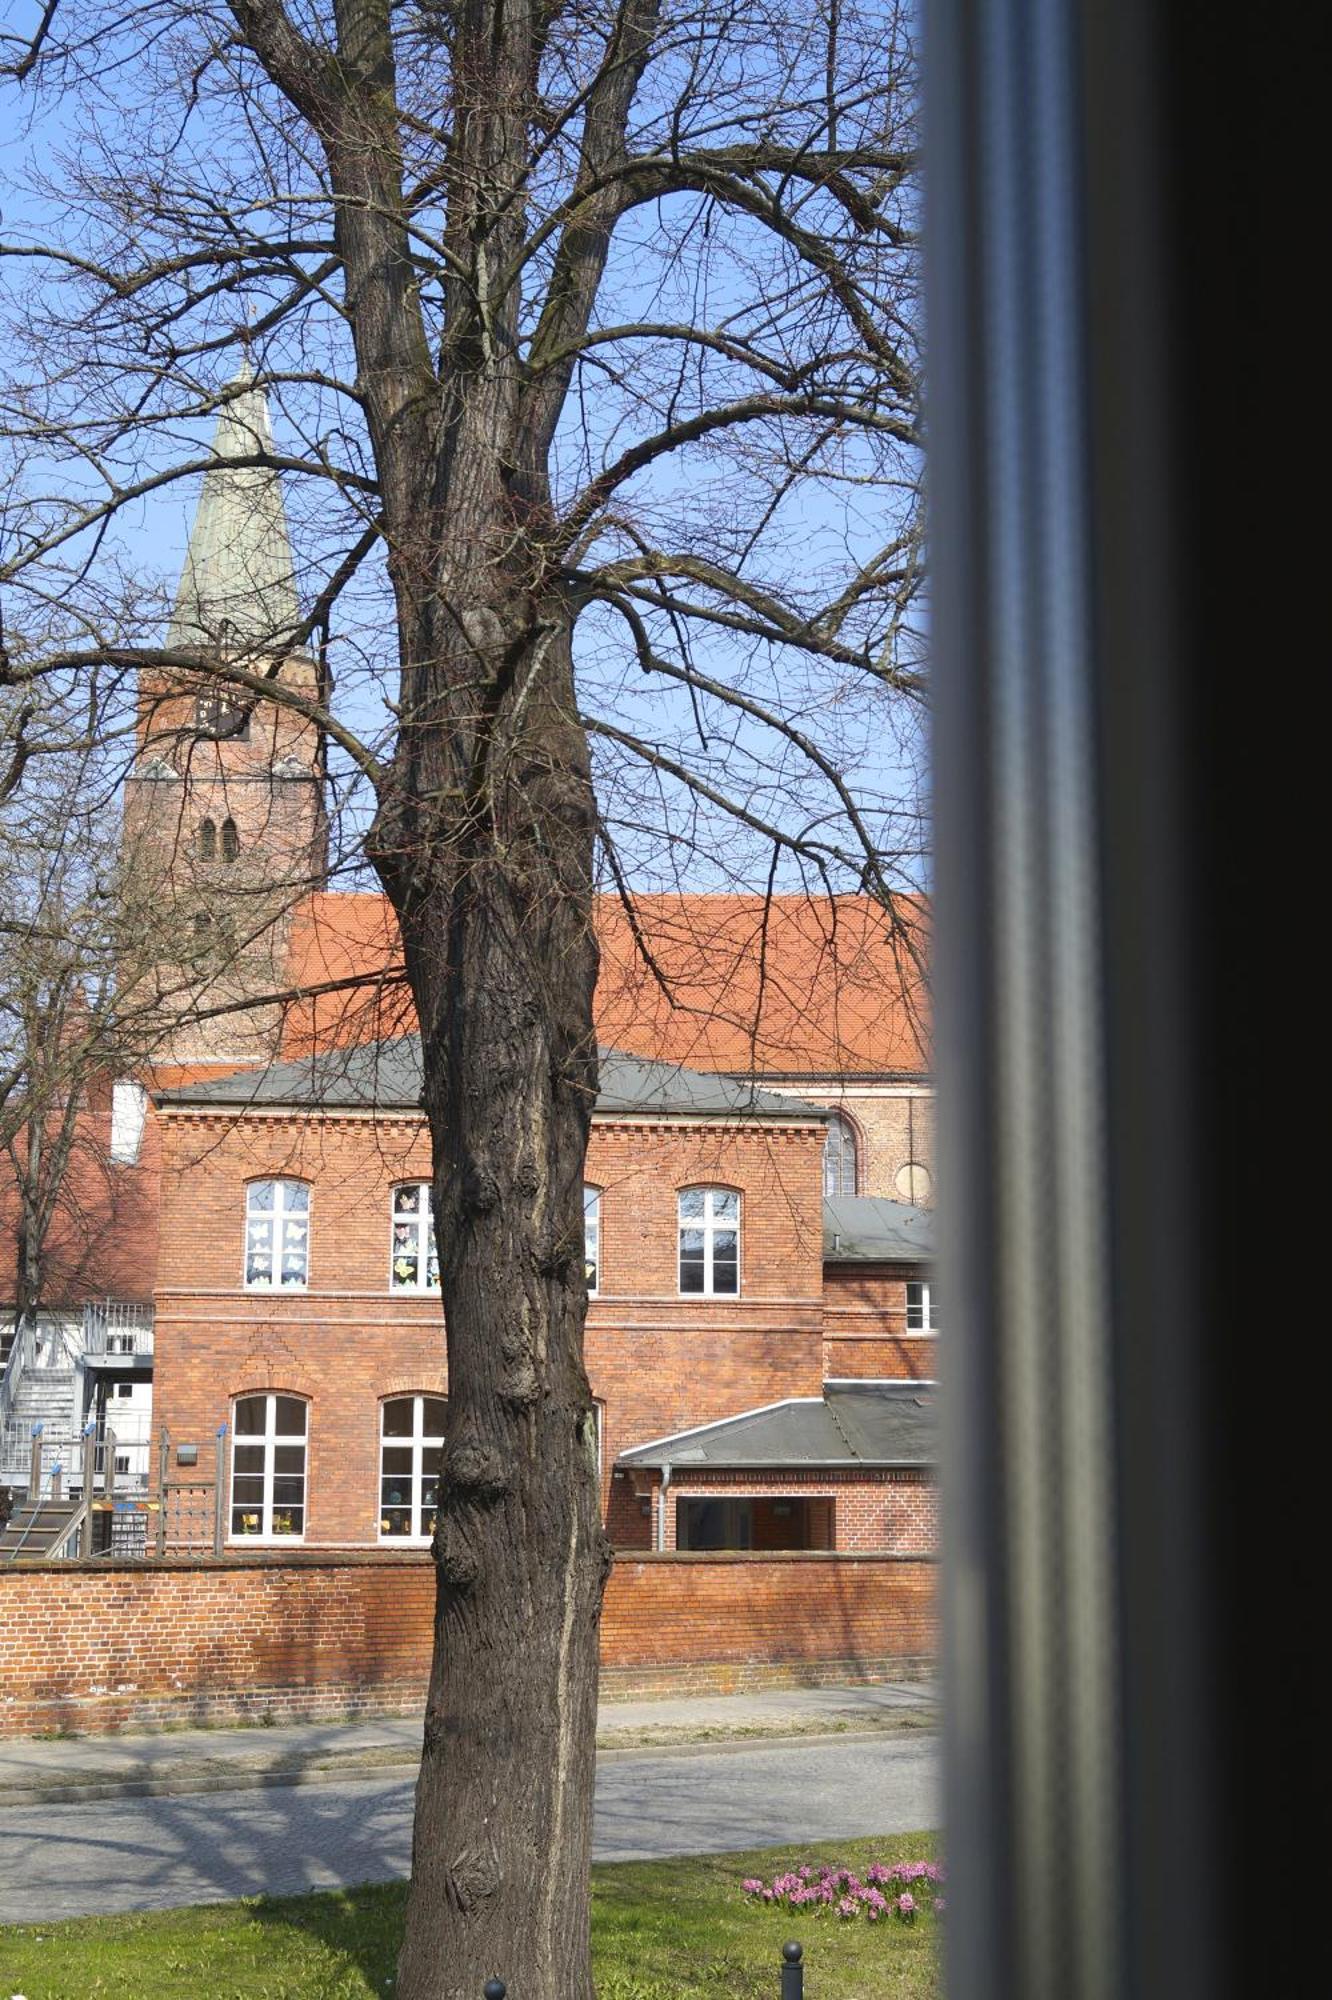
789,985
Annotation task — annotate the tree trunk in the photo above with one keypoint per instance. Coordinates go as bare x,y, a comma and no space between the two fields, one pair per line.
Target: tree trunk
495,902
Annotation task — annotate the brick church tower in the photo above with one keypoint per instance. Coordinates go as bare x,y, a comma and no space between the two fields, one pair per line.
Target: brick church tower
225,826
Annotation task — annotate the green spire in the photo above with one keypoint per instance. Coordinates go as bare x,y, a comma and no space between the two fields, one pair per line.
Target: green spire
238,586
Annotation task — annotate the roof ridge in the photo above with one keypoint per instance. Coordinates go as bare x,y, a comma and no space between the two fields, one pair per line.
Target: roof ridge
840,1427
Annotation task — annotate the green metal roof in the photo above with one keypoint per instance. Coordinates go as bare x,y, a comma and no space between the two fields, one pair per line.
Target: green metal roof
238,581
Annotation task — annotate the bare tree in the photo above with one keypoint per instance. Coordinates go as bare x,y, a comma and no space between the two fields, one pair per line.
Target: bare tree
583,316
97,972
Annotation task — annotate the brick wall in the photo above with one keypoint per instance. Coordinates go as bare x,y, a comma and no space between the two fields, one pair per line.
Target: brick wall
894,1512
894,1128
658,1363
96,1647
865,1334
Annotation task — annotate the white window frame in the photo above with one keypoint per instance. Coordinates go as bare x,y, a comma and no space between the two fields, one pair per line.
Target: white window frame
839,1122
711,1225
269,1442
924,1305
426,1247
592,1234
129,1111
277,1219
419,1441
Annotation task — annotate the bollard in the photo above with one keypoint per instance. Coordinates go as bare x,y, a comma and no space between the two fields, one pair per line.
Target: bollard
495,1989
89,1480
163,1467
793,1972
220,1490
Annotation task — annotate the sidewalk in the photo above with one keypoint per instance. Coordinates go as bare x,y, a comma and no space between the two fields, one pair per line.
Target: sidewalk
38,1771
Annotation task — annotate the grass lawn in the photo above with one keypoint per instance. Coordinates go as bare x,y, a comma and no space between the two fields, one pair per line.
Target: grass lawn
662,1930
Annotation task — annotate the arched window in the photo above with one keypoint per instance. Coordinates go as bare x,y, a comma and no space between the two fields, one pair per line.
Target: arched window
839,1156
710,1241
592,1235
277,1235
230,840
207,841
411,1445
413,1259
268,1461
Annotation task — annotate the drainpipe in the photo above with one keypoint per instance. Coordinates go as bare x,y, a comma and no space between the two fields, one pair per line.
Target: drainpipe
661,1507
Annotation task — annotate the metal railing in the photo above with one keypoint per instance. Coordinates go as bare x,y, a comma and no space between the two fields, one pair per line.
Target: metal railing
48,1342
28,1453
191,1513
113,1326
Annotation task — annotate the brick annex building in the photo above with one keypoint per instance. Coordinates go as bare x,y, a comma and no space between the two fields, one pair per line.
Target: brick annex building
761,1324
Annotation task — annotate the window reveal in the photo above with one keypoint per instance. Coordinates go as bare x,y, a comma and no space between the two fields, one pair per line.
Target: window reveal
591,1236
710,1241
411,1446
277,1235
268,1457
413,1258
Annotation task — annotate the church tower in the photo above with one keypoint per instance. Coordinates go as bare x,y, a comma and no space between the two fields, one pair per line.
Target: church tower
225,827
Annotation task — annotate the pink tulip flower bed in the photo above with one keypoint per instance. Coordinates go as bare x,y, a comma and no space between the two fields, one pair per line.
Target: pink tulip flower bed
901,1891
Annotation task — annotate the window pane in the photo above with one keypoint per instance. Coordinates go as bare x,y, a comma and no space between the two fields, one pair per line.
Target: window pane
261,1197
248,1490
431,1459
249,1459
288,1492
725,1276
289,1521
398,1417
250,1416
398,1460
692,1203
297,1196
404,1262
406,1200
290,1417
725,1205
691,1275
246,1521
724,1243
436,1409
395,1521
289,1458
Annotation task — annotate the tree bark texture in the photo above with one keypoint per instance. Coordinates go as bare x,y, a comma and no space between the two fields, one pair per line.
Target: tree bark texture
484,842
495,908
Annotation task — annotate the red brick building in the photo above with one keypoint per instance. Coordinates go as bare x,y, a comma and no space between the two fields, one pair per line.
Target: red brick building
761,1323
297,1303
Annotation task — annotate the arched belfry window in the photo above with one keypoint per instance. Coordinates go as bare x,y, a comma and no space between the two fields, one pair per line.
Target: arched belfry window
839,1156
208,840
230,840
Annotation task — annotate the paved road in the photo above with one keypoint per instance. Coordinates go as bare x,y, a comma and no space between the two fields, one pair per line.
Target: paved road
146,1854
